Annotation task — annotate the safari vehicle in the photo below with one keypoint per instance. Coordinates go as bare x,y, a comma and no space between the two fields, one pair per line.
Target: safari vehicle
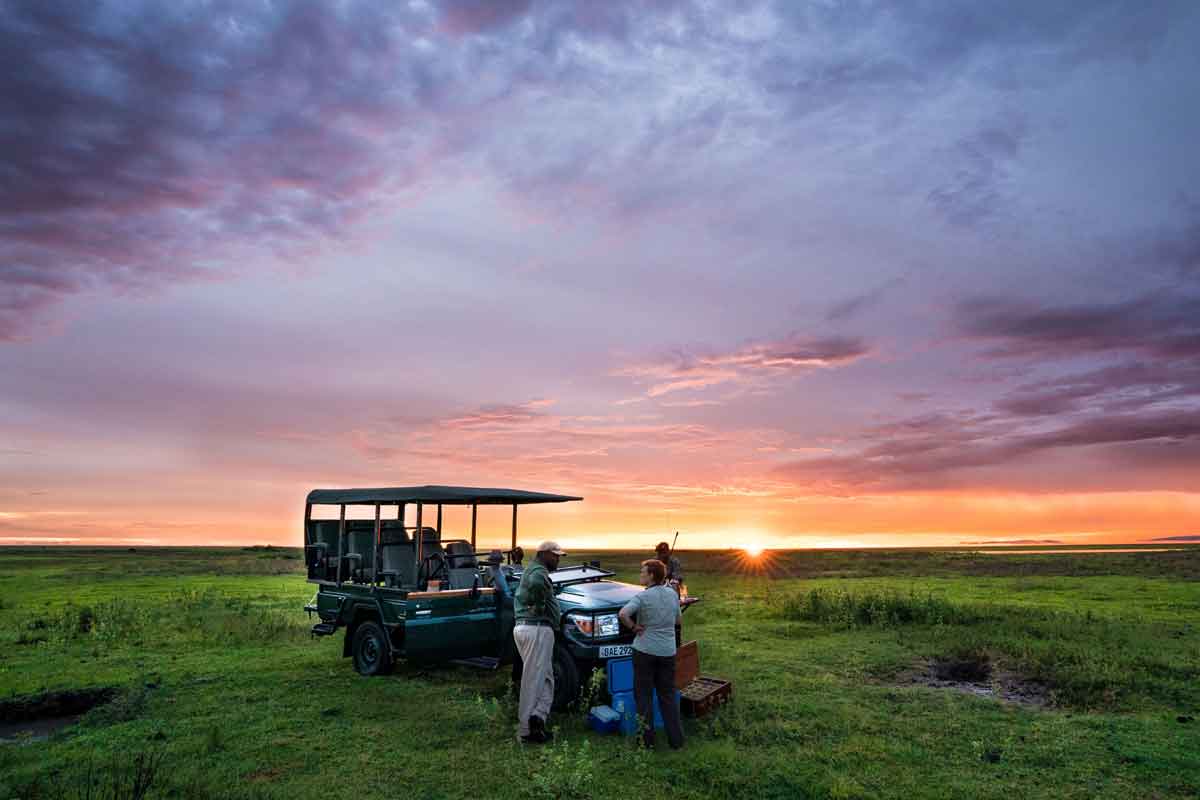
403,591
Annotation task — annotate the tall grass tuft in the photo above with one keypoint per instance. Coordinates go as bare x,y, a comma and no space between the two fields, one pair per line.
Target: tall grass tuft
199,615
843,609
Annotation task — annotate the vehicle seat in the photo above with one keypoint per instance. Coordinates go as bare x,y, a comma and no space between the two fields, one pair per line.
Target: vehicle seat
359,553
460,555
464,569
322,549
430,545
431,542
396,557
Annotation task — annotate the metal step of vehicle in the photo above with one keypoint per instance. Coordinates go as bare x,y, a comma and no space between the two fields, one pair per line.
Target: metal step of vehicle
323,629
479,662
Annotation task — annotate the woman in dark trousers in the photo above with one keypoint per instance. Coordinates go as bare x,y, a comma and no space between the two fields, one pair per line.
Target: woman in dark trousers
657,612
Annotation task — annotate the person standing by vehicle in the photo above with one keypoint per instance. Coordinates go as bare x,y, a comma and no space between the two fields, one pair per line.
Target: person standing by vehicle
673,567
658,614
535,608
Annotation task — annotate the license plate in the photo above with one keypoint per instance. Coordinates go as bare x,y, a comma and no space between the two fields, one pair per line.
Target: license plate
616,650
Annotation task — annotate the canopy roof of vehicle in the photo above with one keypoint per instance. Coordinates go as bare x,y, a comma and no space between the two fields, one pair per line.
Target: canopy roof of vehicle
445,495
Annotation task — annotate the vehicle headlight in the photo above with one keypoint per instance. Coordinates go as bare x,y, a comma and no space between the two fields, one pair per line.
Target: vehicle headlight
596,627
608,625
584,622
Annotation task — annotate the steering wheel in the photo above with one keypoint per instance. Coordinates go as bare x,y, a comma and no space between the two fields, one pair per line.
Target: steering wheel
438,570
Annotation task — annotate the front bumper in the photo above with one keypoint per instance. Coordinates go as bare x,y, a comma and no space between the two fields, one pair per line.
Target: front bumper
583,648
601,651
586,649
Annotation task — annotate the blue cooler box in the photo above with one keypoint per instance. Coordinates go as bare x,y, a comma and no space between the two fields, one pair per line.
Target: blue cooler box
604,720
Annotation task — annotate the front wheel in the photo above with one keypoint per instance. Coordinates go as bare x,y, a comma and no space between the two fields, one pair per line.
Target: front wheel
372,655
566,678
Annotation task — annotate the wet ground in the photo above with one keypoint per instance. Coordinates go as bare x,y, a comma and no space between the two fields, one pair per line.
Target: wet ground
36,717
981,679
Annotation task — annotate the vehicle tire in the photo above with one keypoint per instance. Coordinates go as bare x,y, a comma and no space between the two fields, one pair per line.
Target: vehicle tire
566,679
372,655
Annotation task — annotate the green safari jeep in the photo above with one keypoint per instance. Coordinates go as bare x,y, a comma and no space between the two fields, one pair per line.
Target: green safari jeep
403,591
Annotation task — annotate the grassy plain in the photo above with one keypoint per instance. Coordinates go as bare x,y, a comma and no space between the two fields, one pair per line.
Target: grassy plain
222,693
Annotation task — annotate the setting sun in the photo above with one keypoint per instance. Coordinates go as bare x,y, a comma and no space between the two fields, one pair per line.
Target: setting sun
754,549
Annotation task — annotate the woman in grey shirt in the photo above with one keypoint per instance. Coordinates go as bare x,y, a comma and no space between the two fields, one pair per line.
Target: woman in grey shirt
657,613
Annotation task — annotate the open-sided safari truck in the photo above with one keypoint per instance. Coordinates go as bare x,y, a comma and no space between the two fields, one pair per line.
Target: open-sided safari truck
406,591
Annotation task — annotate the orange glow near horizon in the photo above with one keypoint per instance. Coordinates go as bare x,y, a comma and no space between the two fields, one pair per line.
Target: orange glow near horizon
755,525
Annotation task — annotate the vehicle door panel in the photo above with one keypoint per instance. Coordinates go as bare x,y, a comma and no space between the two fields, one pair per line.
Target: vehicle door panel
445,625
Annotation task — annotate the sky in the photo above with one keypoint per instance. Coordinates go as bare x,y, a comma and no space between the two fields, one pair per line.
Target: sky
794,274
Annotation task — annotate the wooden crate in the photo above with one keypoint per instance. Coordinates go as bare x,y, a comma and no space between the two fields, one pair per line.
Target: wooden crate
687,664
702,695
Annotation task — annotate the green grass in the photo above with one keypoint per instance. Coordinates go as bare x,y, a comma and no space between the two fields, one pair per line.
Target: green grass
1087,660
221,684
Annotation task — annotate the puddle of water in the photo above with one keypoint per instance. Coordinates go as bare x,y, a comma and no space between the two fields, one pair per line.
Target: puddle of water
35,730
36,717
1011,693
1002,685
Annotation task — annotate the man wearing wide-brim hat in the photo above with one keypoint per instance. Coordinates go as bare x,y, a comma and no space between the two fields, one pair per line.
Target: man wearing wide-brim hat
538,618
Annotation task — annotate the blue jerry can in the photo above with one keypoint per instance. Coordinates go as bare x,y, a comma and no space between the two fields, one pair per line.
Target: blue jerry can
624,704
618,673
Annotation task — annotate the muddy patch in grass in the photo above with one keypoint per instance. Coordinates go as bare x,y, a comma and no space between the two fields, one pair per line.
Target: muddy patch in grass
977,674
36,717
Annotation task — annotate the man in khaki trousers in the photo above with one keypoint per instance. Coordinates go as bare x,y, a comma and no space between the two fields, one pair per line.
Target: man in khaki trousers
538,618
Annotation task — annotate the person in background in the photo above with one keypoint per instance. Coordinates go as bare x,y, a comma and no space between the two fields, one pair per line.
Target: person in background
674,569
653,615
663,552
538,617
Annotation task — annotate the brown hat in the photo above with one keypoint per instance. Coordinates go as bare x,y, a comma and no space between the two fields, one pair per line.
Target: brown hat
549,546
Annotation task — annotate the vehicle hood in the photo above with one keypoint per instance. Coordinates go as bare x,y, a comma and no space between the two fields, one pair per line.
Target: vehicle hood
596,595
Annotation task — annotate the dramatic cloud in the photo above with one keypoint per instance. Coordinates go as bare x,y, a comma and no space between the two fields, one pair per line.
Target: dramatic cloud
926,452
1123,387
1144,413
499,416
146,145
1162,326
249,248
753,364
149,144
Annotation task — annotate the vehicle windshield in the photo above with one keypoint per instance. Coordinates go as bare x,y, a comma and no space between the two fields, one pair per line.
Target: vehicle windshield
580,572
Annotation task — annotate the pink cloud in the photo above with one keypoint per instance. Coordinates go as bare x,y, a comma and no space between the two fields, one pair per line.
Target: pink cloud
755,364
